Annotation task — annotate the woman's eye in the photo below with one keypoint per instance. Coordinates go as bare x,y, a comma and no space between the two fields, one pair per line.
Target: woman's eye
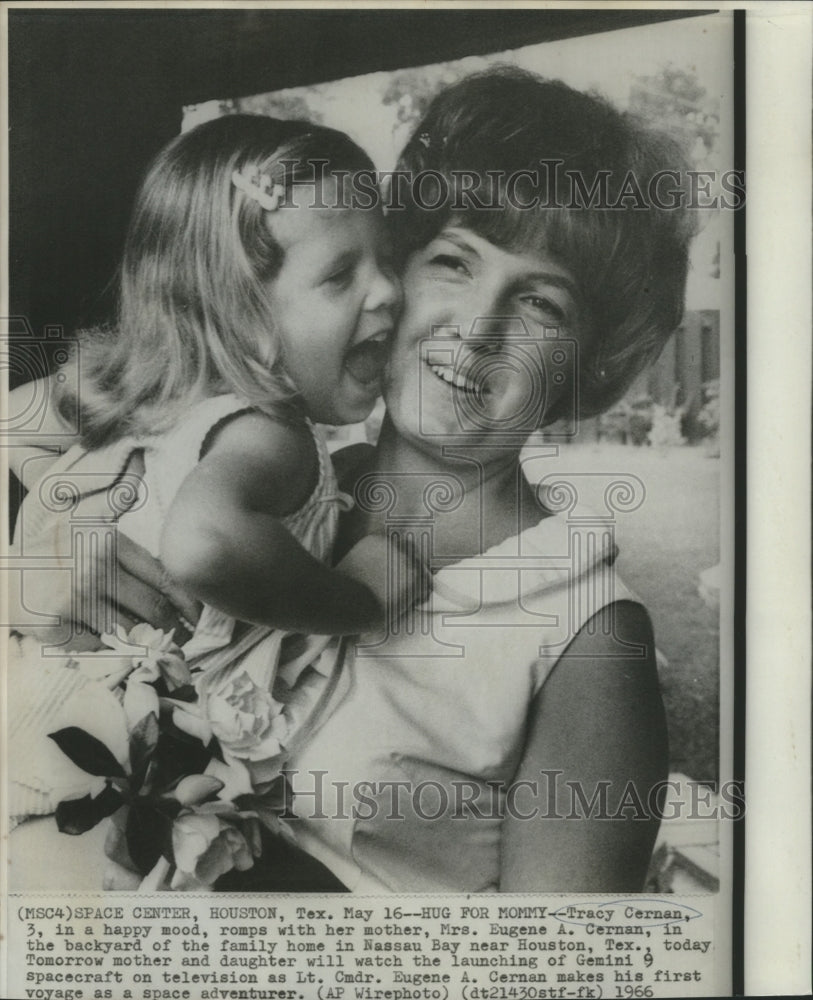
546,308
450,262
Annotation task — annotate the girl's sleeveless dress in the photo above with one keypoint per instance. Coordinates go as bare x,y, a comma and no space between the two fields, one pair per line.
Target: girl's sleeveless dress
44,694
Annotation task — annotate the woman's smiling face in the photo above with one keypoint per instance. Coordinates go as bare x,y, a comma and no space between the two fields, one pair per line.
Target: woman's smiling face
487,344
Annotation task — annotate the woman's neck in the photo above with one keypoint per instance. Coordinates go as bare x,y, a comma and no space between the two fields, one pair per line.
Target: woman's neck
473,499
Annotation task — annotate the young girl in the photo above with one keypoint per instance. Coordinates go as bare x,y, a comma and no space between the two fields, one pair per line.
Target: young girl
253,305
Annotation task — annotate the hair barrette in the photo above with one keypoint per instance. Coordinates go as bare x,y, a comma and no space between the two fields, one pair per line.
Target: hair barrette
269,200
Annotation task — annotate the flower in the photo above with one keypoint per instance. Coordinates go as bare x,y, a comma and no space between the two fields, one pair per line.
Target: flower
196,788
206,796
244,717
152,650
139,700
153,638
206,844
140,635
162,661
234,774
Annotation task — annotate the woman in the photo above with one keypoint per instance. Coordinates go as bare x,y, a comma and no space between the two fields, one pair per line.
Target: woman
521,675
531,670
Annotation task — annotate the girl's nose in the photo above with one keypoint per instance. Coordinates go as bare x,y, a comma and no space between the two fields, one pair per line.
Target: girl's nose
385,290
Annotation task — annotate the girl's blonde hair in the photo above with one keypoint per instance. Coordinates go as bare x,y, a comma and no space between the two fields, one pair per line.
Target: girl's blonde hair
194,317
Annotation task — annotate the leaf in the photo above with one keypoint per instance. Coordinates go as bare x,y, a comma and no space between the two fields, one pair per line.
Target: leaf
87,752
143,741
213,747
148,778
115,844
276,794
75,816
172,808
186,692
177,755
146,833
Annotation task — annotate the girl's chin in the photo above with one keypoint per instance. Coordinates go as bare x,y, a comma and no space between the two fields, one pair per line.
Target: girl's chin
367,384
355,402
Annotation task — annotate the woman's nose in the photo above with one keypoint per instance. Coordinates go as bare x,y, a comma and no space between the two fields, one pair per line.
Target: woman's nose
476,314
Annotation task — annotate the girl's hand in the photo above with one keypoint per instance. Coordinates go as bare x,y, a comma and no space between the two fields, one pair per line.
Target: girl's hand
147,594
392,571
94,595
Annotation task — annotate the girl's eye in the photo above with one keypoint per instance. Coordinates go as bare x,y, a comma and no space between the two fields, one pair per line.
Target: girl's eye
451,263
386,265
341,277
546,308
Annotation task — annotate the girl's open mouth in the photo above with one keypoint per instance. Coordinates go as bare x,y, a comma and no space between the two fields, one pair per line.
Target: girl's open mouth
367,361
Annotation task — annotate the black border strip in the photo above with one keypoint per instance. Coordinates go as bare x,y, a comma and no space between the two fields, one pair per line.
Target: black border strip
740,509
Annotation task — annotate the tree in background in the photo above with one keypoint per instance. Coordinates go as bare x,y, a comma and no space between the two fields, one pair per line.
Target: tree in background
674,100
290,105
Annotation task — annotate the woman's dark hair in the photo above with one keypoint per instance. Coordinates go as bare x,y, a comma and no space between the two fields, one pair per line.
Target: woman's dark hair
630,261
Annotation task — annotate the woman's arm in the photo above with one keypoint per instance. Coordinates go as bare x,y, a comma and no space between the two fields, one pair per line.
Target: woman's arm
225,542
43,433
141,590
599,720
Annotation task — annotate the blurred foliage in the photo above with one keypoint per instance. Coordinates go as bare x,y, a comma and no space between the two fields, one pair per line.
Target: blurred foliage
675,100
665,431
411,90
302,104
709,417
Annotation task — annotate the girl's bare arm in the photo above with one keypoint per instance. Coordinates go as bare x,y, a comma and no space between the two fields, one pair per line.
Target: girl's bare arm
225,542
